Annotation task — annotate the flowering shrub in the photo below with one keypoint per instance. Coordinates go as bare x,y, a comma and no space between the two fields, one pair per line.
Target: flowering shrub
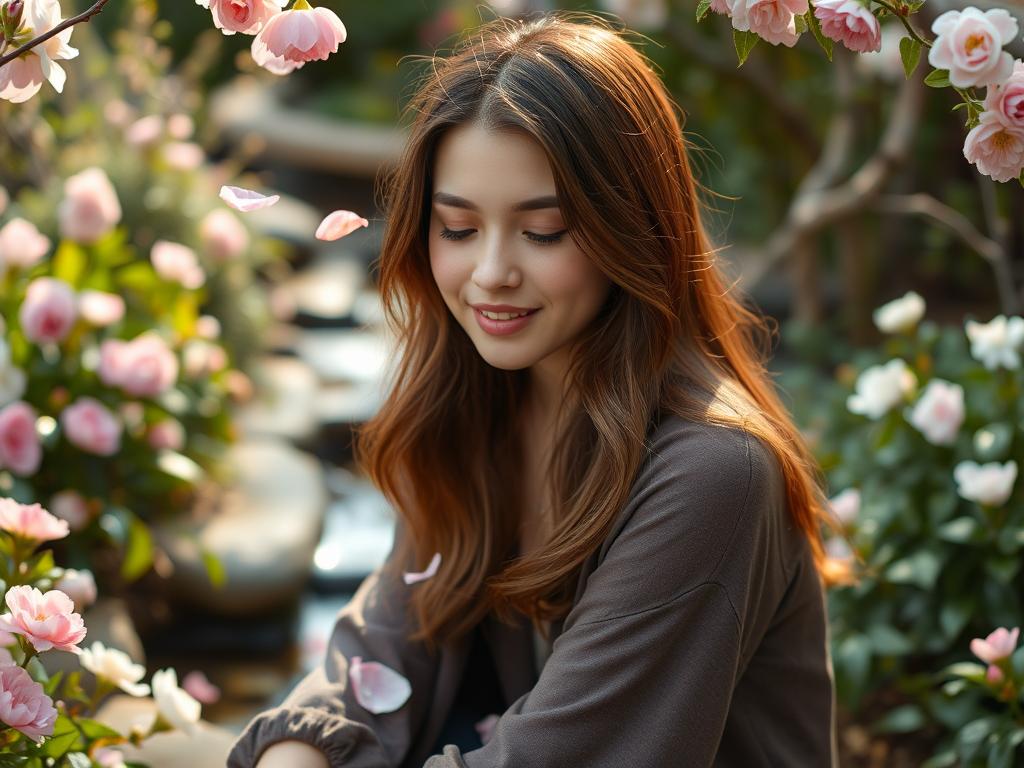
49,720
924,445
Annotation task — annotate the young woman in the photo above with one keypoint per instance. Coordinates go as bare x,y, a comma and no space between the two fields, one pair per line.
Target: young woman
629,524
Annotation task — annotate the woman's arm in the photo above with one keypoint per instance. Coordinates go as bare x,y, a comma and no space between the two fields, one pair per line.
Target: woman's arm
292,754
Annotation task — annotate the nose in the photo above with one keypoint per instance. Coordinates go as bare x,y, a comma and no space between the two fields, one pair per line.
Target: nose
496,266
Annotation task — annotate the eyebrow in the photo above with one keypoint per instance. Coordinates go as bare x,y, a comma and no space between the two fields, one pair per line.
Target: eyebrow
535,204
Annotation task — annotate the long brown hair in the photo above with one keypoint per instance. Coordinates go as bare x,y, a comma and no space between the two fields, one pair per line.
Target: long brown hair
670,338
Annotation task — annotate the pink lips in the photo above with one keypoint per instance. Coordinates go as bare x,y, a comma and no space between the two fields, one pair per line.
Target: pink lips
503,327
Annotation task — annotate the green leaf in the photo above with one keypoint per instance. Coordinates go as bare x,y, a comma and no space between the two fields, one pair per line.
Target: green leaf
1002,568
910,52
64,739
954,615
97,730
744,43
214,568
1010,539
702,9
815,27
938,78
69,262
960,530
12,761
138,556
904,719
943,759
968,670
887,641
920,568
800,22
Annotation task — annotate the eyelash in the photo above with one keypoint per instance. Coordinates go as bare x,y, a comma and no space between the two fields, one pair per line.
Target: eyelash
448,234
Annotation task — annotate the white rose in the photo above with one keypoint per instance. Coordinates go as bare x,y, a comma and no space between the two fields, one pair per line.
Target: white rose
989,484
969,44
900,315
880,388
115,666
939,412
995,343
175,705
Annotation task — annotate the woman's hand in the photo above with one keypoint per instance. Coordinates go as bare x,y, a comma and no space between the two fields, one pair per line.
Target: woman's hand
292,754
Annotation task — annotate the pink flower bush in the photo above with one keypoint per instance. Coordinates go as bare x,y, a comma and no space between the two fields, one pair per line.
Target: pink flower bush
24,705
144,366
99,308
177,263
89,425
20,449
772,20
245,16
999,645
21,245
291,38
222,235
49,310
969,44
1006,100
90,208
30,521
996,148
22,78
850,23
48,621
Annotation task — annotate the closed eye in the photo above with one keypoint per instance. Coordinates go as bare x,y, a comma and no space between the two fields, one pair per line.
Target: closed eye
448,234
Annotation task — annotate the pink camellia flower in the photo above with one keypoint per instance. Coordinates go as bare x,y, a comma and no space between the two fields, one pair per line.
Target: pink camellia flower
994,674
49,310
850,23
80,586
30,521
222,235
48,621
90,426
21,245
143,367
771,20
22,78
167,434
71,507
20,449
90,207
177,263
377,687
996,148
291,38
245,16
939,412
246,200
338,224
969,44
198,686
100,308
1006,100
997,646
24,704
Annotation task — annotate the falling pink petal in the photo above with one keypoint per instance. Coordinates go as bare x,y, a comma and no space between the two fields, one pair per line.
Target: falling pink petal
378,688
198,686
339,224
412,578
485,727
246,200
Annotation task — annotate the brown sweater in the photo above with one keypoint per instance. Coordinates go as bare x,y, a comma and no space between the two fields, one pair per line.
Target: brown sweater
698,637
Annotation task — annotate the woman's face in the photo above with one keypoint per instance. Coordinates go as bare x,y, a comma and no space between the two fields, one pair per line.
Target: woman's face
487,248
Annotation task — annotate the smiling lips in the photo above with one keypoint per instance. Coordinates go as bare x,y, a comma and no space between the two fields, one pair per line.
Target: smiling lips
502,323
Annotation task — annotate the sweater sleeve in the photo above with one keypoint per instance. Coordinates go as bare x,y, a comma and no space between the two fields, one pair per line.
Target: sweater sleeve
322,709
644,669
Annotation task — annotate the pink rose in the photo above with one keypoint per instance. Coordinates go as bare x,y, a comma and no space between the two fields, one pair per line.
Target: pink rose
144,366
24,705
291,38
71,507
996,148
90,426
49,310
166,434
939,412
100,308
850,23
771,20
245,16
997,646
20,449
21,245
177,263
969,44
46,620
222,235
30,521
90,207
1006,100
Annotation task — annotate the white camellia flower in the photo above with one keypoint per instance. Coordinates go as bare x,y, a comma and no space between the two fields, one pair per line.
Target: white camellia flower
996,343
989,484
846,505
880,388
900,315
175,705
939,412
115,666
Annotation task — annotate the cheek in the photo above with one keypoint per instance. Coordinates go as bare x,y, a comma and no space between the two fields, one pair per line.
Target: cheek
447,271
575,278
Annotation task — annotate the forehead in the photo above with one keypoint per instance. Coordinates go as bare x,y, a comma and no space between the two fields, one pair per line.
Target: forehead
491,168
